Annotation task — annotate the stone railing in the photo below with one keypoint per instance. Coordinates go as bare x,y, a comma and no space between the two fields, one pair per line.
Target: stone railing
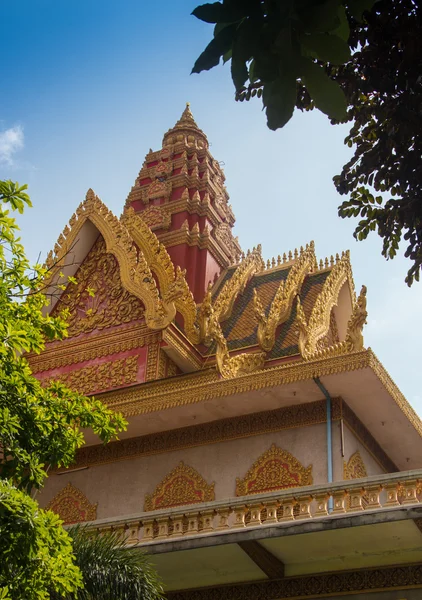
286,506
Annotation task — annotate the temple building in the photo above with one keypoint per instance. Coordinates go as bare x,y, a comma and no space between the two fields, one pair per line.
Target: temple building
268,453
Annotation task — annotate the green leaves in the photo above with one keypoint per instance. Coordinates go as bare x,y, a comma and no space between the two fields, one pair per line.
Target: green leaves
358,7
319,17
37,553
325,92
384,86
110,569
221,44
243,48
42,427
217,12
4,593
326,47
15,195
210,13
39,426
267,42
279,98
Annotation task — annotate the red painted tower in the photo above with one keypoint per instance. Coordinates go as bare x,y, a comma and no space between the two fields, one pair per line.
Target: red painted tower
180,194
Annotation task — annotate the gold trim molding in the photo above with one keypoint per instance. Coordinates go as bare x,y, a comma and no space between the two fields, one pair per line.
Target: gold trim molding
224,430
99,377
304,415
206,385
76,350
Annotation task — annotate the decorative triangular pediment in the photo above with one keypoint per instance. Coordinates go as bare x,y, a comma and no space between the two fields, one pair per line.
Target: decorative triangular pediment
275,469
98,300
183,485
93,216
354,468
72,506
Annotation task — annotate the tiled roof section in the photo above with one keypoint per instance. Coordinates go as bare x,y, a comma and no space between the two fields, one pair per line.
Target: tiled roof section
227,275
240,329
287,338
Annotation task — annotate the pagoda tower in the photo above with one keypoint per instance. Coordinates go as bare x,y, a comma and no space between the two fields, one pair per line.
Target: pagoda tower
181,196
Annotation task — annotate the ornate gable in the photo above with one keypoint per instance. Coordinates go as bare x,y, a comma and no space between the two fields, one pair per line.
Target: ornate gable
97,300
276,469
72,506
135,273
184,485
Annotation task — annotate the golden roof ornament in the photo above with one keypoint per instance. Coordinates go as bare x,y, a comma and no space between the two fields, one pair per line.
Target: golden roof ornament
187,117
186,130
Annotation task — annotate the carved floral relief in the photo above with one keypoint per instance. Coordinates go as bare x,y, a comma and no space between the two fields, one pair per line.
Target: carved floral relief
110,303
100,377
156,218
72,506
183,485
355,467
275,469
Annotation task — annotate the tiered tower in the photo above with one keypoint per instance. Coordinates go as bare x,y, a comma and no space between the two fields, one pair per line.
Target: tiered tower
181,196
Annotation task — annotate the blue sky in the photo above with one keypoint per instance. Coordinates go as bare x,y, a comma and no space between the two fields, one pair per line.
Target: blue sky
89,86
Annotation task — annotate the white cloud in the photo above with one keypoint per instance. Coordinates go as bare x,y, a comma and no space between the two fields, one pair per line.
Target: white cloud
11,140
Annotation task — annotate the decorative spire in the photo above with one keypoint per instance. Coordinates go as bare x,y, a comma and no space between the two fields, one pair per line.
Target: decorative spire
187,118
186,130
90,195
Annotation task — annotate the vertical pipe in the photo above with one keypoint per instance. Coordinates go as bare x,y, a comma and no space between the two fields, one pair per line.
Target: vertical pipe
329,438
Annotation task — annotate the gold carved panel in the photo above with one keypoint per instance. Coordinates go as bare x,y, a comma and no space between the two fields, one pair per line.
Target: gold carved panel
355,467
100,377
98,300
184,485
72,506
276,469
156,218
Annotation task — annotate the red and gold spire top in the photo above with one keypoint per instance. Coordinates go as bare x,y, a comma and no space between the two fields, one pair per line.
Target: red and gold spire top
181,196
186,130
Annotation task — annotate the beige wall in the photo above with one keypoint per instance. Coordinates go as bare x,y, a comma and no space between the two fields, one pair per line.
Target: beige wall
120,488
351,444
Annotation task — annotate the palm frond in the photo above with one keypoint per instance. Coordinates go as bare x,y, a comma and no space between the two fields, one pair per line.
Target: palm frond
111,570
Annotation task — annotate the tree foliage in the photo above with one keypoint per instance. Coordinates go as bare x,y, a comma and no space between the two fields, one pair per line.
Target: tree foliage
110,570
383,83
355,61
278,49
36,552
40,427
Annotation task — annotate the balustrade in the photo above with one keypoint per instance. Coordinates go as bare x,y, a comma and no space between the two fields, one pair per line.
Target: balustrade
281,508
